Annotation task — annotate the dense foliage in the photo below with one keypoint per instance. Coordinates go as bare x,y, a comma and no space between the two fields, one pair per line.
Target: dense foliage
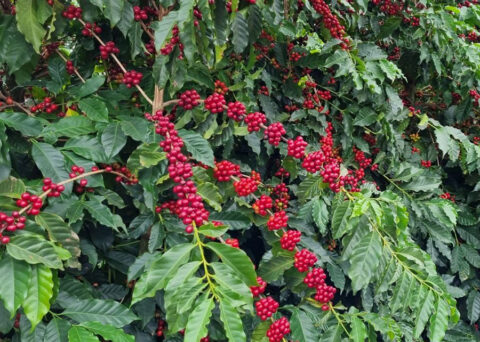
258,170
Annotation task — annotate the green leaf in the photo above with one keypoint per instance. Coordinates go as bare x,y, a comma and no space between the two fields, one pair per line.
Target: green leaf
424,310
240,33
113,139
113,10
234,219
95,109
71,126
232,322
14,50
359,331
197,321
365,117
60,232
272,269
237,259
40,291
198,147
160,270
439,320
364,261
12,187
340,224
303,328
210,194
211,230
80,334
50,161
232,286
14,285
27,125
89,87
27,22
105,311
320,215
34,249
473,306
57,330
100,212
108,332
126,19
333,333
310,187
86,147
136,128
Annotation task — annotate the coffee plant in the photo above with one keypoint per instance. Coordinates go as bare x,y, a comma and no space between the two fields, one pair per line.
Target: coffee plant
253,170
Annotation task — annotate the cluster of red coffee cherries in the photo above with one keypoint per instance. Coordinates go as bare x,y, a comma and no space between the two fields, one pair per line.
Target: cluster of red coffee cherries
47,105
174,41
107,49
426,163
70,67
189,206
132,78
476,96
331,21
90,28
72,12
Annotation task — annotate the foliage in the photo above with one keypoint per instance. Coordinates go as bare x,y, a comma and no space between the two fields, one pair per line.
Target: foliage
152,178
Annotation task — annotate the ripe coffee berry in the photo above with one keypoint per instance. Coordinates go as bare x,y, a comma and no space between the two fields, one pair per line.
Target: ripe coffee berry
277,221
245,186
72,12
313,161
258,290
325,293
214,103
189,99
132,78
254,121
139,14
296,148
426,163
224,170
220,87
274,133
266,307
304,259
70,67
89,28
278,330
232,242
236,110
315,277
107,49
290,239
262,205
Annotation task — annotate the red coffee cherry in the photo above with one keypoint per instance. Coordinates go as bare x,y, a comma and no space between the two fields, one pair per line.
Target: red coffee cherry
274,133
232,242
258,290
277,221
304,259
245,186
296,148
290,239
278,330
236,111
263,204
313,162
132,78
189,99
224,170
72,12
266,307
254,121
139,14
214,103
315,277
107,49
